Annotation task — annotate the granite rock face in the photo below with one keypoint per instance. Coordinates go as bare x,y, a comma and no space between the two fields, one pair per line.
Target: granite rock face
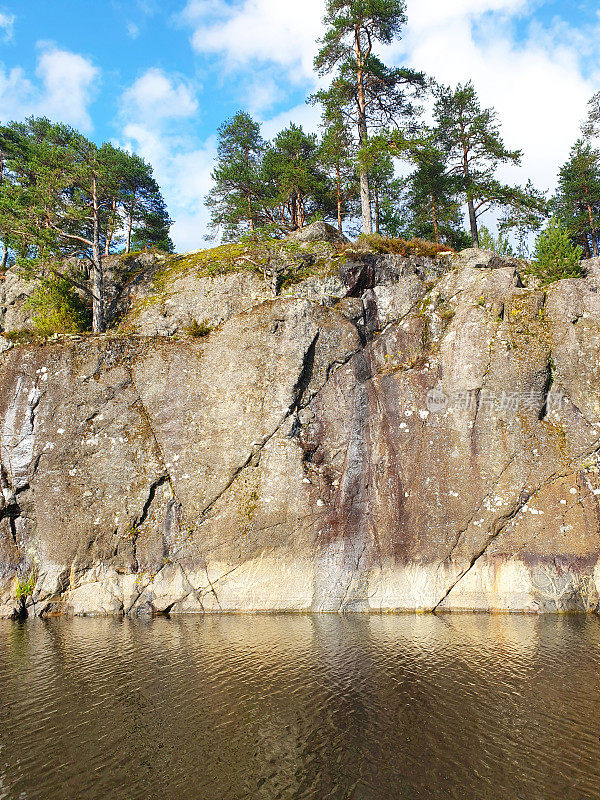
421,443
14,294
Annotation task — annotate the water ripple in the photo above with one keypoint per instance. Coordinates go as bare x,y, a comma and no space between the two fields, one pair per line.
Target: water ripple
360,708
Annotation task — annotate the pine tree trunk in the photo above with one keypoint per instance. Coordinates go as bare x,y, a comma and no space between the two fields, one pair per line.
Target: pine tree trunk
111,230
594,239
250,216
97,282
470,203
4,258
473,224
338,188
376,196
363,136
436,228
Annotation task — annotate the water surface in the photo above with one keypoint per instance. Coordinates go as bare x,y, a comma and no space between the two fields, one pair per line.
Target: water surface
264,707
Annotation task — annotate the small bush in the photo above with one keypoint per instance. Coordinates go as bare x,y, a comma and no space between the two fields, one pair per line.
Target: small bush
26,585
555,255
58,308
198,329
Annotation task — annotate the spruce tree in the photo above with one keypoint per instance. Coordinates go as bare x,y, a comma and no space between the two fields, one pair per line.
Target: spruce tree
370,94
555,255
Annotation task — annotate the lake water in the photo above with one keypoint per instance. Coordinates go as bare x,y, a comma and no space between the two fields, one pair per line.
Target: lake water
263,707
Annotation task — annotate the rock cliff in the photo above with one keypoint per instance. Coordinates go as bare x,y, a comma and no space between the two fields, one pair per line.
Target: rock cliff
401,434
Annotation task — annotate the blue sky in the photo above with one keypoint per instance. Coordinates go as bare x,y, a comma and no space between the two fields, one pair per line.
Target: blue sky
159,77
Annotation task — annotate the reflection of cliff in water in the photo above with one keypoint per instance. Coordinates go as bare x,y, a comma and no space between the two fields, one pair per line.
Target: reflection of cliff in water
301,707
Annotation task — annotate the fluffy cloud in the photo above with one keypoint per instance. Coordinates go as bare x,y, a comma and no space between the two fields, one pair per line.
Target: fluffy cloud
182,170
7,24
521,77
261,31
69,83
64,91
160,96
153,110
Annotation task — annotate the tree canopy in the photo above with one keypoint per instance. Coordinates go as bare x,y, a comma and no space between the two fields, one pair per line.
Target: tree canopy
61,195
369,93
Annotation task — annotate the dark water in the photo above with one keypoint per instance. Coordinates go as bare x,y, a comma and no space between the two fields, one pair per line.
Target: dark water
489,708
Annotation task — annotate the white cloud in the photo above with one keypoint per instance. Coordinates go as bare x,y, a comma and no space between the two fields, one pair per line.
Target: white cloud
424,14
263,31
158,95
7,26
182,170
154,109
308,116
69,81
133,30
536,84
65,89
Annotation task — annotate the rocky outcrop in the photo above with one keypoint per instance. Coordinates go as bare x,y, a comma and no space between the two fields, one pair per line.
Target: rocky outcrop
318,232
428,441
15,313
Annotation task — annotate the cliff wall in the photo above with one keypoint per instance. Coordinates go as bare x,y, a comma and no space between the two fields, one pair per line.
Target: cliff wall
404,434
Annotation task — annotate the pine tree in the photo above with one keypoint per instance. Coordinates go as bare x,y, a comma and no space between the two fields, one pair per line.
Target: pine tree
555,255
370,94
153,232
336,157
142,205
591,126
500,245
431,205
61,185
62,195
235,201
470,137
577,200
294,186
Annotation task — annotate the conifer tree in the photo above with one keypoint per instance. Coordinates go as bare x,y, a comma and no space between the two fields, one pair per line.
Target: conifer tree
470,137
555,255
591,126
431,200
294,186
235,199
61,195
370,94
336,157
577,200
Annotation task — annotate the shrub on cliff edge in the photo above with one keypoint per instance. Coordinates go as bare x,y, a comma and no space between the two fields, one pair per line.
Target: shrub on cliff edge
58,308
555,256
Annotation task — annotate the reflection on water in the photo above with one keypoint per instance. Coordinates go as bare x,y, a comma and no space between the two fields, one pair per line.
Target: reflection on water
360,707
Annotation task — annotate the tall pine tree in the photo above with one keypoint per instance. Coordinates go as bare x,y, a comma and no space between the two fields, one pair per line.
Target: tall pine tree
577,200
470,137
234,201
371,94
